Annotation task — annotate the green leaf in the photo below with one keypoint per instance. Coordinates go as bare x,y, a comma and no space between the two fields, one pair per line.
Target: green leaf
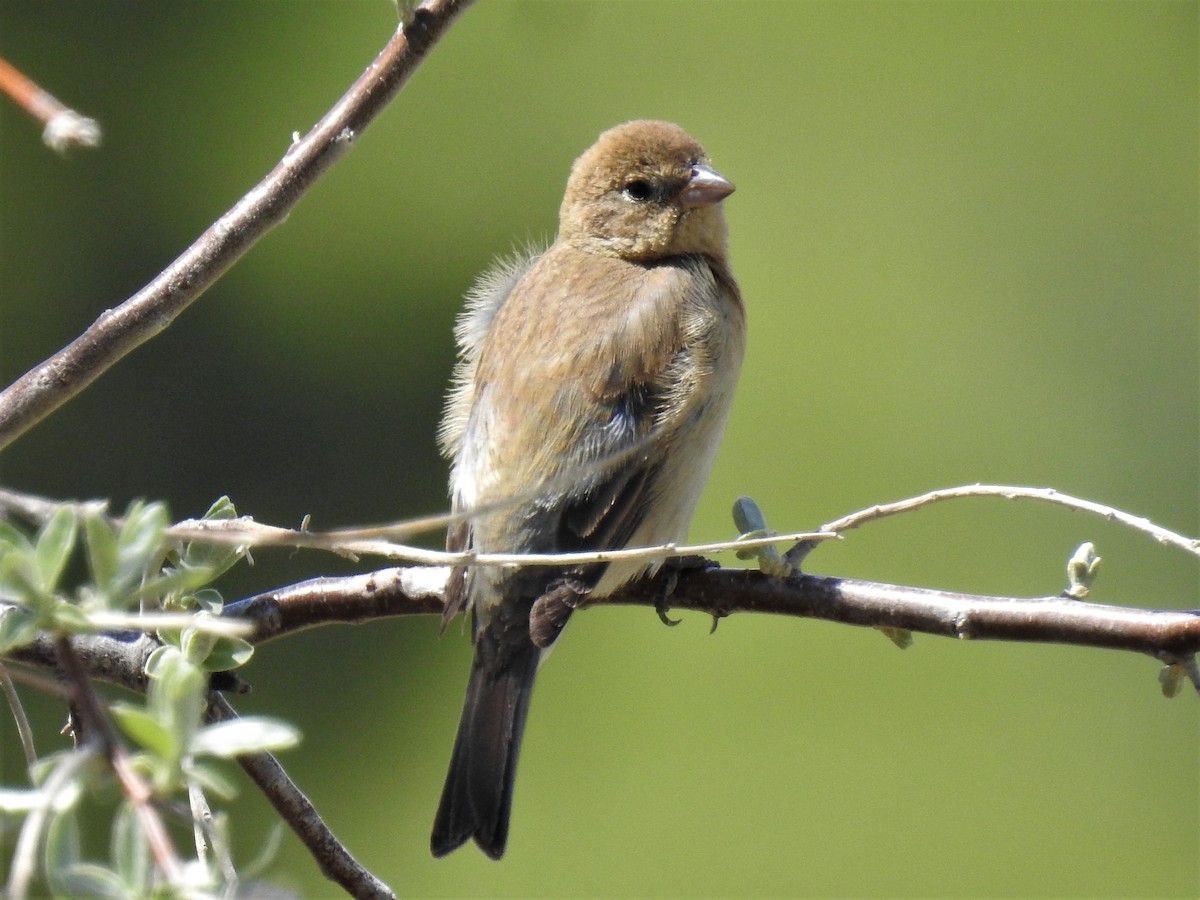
228,653
130,851
211,778
219,558
61,849
54,546
91,880
19,578
139,544
146,730
12,538
101,543
197,644
66,616
158,661
208,600
18,627
222,508
250,734
18,803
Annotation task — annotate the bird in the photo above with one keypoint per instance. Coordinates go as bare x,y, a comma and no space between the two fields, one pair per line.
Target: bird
592,388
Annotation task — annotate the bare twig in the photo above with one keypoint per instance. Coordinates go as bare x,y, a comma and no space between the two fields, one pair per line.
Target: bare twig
151,310
62,126
336,862
1009,492
245,532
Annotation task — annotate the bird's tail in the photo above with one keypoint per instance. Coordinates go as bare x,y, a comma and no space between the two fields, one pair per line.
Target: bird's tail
477,798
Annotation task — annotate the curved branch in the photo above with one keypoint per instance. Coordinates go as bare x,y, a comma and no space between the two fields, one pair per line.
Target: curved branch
147,313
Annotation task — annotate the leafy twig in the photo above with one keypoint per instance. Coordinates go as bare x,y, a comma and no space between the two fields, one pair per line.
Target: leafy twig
99,731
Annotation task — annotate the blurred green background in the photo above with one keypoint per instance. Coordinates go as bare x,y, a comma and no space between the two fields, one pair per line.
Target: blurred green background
967,238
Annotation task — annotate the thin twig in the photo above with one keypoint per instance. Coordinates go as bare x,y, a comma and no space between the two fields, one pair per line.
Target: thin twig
1010,492
335,861
151,310
62,127
24,732
245,532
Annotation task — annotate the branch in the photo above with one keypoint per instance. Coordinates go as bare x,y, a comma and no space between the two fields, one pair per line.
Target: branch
62,127
1010,492
1171,636
151,310
335,861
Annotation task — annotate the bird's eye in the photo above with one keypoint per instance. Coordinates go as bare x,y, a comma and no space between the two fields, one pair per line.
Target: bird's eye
639,190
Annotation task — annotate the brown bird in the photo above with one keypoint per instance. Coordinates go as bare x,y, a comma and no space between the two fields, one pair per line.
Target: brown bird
593,386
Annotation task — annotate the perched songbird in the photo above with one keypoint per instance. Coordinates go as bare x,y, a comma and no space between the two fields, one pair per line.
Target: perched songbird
593,387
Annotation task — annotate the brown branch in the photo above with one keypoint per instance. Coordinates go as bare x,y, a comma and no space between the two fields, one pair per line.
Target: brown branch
147,313
62,127
1164,634
336,862
1172,636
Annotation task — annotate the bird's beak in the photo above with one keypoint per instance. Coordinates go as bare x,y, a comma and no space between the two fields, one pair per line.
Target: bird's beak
705,188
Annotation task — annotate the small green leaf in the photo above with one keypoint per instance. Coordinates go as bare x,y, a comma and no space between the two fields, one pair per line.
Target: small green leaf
1170,678
1082,569
208,600
18,803
218,558
146,730
18,627
197,644
66,616
101,543
91,880
12,538
747,516
158,660
901,637
228,653
212,778
139,544
130,851
250,734
54,546
222,508
749,520
61,849
19,578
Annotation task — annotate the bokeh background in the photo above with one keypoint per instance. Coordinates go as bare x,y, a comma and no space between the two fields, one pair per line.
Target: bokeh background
967,237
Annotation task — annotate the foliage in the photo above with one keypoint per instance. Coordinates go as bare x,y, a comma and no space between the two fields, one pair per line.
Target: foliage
131,569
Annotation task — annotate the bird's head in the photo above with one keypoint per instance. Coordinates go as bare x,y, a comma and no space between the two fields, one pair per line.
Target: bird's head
645,191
